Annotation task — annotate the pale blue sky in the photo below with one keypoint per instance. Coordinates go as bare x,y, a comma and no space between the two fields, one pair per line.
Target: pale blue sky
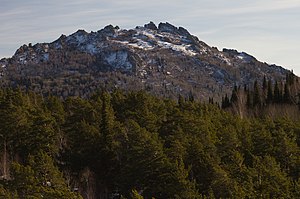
267,29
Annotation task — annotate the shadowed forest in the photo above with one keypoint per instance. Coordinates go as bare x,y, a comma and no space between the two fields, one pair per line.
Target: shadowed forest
134,145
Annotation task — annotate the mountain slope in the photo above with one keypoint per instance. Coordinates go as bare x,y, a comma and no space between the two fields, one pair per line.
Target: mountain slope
165,60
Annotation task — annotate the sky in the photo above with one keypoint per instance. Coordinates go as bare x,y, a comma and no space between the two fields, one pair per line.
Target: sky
267,29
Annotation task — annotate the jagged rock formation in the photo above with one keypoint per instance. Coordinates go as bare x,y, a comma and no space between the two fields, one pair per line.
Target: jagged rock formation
164,60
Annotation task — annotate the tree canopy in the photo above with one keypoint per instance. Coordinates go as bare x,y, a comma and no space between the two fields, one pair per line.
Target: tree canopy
134,145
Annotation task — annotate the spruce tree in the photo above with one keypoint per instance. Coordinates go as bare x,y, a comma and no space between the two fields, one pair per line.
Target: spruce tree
265,85
256,95
234,95
287,96
225,102
270,92
277,93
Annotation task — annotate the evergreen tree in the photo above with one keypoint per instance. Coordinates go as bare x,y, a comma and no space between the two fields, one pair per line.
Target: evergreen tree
245,88
40,178
234,95
107,121
265,85
267,168
277,93
287,96
5,193
256,95
290,78
191,97
269,92
180,100
116,143
225,102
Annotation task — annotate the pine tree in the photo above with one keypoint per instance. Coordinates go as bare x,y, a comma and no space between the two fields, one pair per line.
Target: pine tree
269,93
290,78
267,168
180,100
249,102
40,178
287,96
225,102
256,95
191,97
107,122
277,93
265,85
234,95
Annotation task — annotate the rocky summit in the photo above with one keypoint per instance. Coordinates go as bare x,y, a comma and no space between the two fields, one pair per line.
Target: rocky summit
164,60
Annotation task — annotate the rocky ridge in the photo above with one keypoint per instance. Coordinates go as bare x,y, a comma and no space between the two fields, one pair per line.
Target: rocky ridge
164,60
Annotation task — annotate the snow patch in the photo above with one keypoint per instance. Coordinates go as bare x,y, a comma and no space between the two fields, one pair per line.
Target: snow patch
46,57
179,48
240,57
118,59
143,73
244,57
121,42
224,58
22,59
219,75
46,48
92,49
141,44
203,51
137,44
80,38
147,33
57,45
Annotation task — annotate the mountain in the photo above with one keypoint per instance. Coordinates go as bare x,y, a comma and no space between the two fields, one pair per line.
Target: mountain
164,60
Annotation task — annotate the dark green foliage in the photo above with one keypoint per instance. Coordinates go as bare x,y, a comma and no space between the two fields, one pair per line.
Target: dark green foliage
264,85
277,93
135,145
269,93
272,99
225,102
290,78
256,95
39,178
211,100
287,98
234,95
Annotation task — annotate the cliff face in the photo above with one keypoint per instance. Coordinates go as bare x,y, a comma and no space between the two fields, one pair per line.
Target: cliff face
164,60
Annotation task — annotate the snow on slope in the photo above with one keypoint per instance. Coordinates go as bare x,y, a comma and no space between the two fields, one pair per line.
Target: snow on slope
147,39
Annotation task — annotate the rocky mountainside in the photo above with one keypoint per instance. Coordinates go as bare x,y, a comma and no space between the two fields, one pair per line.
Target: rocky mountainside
164,60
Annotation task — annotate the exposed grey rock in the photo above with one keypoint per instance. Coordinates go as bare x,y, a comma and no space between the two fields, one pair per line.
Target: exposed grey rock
167,27
108,30
183,31
166,61
151,26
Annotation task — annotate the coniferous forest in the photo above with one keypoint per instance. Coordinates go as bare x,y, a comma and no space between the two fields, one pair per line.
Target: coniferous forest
134,145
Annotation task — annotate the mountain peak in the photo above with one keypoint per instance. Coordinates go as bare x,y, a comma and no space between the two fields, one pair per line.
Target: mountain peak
151,26
167,27
166,60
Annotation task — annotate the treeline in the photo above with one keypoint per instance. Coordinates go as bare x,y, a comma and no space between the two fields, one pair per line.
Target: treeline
268,97
134,145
